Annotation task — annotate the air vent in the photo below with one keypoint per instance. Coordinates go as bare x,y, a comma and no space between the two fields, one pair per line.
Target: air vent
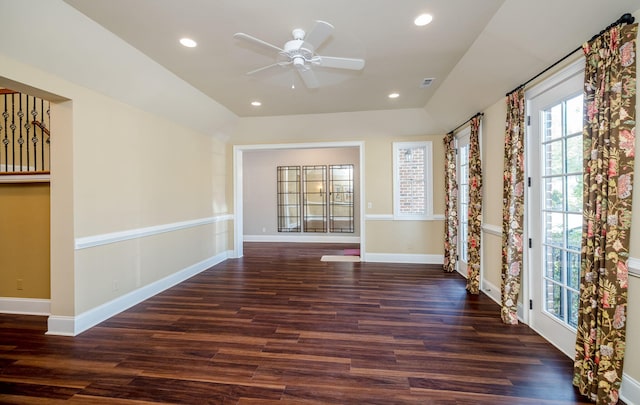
426,82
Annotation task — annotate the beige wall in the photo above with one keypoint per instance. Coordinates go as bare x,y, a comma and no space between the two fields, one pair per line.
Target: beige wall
140,170
121,160
492,171
133,170
401,237
378,130
24,240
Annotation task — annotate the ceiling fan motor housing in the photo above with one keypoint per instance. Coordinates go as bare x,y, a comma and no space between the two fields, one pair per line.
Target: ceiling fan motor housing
297,48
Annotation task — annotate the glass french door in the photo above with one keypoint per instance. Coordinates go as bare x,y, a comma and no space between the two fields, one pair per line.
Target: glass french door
314,198
341,218
289,199
556,210
463,199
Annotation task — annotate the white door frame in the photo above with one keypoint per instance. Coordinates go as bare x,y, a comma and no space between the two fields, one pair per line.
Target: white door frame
532,228
238,151
461,263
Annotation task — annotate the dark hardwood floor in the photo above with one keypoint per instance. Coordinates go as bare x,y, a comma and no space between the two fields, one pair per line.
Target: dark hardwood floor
280,326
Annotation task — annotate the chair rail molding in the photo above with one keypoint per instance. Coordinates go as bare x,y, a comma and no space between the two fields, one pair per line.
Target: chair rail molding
113,237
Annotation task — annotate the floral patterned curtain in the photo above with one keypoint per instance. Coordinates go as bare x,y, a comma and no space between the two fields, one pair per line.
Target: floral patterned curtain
609,144
474,229
512,206
451,205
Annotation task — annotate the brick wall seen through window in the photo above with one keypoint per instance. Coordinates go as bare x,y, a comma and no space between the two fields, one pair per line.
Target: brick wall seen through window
412,180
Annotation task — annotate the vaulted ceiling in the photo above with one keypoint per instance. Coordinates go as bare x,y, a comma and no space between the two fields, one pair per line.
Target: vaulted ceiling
475,50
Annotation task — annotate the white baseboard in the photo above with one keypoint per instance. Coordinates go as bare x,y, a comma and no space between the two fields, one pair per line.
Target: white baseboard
72,326
492,291
61,326
296,237
630,390
25,306
403,258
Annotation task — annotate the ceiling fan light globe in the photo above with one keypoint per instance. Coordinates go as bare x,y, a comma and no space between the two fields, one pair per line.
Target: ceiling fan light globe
298,61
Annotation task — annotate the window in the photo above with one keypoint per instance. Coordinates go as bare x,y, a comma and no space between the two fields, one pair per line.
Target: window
562,207
412,185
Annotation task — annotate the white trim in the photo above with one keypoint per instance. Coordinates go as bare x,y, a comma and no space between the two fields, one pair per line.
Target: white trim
390,217
310,145
238,150
574,68
634,266
297,237
426,218
492,229
378,217
98,240
25,306
61,325
25,178
492,292
72,326
630,390
404,258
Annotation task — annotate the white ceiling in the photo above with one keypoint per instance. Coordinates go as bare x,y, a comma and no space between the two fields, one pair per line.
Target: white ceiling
476,50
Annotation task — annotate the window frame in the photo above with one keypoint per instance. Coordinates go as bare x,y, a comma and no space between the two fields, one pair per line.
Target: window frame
428,180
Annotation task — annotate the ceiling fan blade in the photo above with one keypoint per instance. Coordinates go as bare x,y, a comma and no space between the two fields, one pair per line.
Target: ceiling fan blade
339,63
254,40
319,33
268,67
309,78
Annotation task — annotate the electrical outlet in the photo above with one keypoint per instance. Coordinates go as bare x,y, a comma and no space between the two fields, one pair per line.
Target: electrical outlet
19,284
264,230
116,285
369,205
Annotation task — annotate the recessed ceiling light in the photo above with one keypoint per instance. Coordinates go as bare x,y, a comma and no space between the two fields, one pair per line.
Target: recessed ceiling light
188,42
394,95
256,103
423,19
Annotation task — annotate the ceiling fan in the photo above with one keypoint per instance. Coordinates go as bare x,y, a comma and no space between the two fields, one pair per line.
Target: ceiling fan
300,53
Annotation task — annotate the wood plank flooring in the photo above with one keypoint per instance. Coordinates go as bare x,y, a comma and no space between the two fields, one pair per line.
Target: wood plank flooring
280,326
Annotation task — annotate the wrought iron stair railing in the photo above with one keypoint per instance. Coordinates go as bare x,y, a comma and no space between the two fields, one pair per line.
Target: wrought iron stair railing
24,134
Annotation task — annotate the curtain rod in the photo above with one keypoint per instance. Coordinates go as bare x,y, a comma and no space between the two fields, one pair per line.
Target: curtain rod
626,18
464,123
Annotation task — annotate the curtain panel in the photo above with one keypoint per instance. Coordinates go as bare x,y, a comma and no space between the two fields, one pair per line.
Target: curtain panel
451,205
513,206
474,229
609,145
